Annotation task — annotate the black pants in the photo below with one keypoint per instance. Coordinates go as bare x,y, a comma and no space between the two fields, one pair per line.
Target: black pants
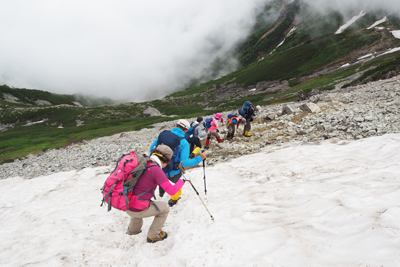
173,179
248,125
194,141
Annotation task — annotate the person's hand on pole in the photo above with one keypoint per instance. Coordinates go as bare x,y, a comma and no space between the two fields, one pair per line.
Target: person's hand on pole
203,155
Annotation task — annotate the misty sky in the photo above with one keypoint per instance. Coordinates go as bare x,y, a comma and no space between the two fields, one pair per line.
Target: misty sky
130,50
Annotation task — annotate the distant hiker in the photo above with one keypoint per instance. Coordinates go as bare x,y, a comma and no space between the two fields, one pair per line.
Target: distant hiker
193,136
233,119
213,124
144,189
175,139
247,111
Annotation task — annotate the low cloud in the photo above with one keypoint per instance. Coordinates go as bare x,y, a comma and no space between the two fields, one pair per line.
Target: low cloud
126,50
344,6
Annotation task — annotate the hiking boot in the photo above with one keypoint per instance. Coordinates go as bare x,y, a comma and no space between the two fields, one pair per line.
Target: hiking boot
161,236
172,202
206,147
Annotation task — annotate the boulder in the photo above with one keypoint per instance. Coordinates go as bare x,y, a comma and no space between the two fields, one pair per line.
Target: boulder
310,107
286,109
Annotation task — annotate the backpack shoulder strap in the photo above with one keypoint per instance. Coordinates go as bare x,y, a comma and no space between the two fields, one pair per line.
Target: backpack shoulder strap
152,163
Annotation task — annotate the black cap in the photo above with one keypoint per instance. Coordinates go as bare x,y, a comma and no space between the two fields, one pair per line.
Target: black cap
199,118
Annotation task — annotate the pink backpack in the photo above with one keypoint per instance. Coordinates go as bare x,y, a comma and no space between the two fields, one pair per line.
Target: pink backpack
118,188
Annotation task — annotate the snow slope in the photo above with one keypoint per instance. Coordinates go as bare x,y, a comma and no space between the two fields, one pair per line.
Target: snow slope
334,203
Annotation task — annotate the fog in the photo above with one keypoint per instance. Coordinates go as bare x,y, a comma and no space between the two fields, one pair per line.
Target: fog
344,6
126,50
130,50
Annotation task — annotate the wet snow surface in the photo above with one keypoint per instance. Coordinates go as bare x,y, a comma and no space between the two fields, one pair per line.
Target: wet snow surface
332,203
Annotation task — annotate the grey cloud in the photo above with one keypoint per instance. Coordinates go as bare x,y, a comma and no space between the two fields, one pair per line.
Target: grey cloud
392,6
130,50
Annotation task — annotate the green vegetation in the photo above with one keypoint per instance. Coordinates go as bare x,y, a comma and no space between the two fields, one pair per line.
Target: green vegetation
304,59
256,42
325,82
29,96
378,68
22,140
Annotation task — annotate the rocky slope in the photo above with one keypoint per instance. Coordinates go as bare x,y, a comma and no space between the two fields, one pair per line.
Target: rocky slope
351,113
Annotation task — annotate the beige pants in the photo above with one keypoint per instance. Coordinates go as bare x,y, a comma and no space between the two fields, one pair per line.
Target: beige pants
159,219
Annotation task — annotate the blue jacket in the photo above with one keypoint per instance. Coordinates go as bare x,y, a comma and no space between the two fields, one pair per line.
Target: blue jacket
185,152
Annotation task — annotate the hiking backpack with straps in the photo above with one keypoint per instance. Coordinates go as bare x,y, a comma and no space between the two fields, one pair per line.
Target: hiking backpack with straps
118,187
190,133
233,119
170,139
207,123
245,108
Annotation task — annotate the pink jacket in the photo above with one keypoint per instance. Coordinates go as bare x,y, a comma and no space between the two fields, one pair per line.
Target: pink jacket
214,125
149,180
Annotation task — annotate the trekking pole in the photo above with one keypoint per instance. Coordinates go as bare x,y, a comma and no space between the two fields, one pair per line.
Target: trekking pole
201,199
204,170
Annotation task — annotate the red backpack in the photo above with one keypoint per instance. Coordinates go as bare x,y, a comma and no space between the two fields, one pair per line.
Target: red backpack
118,187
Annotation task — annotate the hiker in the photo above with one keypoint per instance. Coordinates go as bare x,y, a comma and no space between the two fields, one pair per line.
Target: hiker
233,119
213,129
194,137
247,111
145,189
175,139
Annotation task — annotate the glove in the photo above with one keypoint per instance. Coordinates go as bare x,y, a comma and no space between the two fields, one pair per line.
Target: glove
185,177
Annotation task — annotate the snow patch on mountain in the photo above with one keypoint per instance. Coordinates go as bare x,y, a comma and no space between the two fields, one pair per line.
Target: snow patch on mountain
376,23
351,21
281,43
396,34
392,50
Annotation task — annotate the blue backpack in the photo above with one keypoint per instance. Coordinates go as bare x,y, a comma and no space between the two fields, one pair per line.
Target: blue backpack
170,139
207,123
245,108
190,132
233,119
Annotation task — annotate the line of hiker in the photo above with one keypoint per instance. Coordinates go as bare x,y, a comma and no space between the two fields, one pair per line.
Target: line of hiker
245,116
131,186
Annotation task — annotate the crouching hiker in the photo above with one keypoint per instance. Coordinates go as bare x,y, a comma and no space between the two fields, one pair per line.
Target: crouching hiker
175,139
193,136
144,190
214,124
233,120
